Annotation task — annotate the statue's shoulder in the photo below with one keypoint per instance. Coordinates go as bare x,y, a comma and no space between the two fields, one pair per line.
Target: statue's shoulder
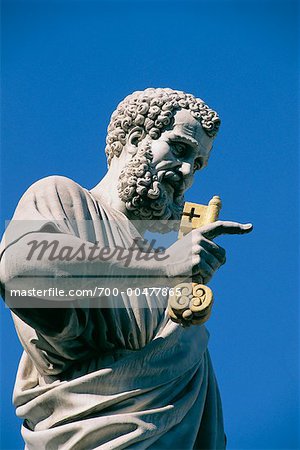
54,185
55,181
54,188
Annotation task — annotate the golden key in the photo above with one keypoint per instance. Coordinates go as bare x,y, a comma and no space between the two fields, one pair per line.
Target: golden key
194,303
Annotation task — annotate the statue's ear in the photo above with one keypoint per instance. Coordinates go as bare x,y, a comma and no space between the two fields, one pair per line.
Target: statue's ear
135,135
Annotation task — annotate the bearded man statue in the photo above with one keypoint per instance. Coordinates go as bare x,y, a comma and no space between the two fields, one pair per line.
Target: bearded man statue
114,372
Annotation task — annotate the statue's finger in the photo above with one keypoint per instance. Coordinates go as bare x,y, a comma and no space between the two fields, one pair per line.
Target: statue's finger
215,229
216,250
212,261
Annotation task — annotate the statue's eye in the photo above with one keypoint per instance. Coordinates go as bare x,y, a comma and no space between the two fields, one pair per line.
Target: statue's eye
179,147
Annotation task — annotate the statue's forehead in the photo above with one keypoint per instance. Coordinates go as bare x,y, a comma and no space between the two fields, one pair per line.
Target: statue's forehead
187,125
194,131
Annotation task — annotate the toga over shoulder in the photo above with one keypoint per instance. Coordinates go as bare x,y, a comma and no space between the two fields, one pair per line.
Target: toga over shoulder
56,337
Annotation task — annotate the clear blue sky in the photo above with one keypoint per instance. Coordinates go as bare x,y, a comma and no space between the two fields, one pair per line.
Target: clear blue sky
66,65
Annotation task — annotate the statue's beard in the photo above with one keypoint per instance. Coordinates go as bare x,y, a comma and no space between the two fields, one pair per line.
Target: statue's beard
147,195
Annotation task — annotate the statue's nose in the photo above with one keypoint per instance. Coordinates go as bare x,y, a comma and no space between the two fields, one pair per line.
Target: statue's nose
186,169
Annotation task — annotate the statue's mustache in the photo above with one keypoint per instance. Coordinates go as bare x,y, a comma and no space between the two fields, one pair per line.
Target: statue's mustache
172,177
166,165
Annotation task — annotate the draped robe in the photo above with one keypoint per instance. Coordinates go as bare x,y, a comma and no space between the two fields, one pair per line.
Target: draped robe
107,378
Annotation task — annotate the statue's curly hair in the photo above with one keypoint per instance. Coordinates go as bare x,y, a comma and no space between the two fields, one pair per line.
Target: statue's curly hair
151,111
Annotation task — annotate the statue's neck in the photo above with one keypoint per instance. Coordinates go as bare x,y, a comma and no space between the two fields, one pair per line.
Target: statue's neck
107,190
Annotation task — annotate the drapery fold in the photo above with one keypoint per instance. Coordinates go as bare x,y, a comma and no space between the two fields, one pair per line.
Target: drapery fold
113,378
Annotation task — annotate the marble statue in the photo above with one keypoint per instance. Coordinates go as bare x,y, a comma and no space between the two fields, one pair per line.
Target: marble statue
116,372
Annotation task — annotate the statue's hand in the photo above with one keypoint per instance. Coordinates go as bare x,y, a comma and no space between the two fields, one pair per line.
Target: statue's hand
197,255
